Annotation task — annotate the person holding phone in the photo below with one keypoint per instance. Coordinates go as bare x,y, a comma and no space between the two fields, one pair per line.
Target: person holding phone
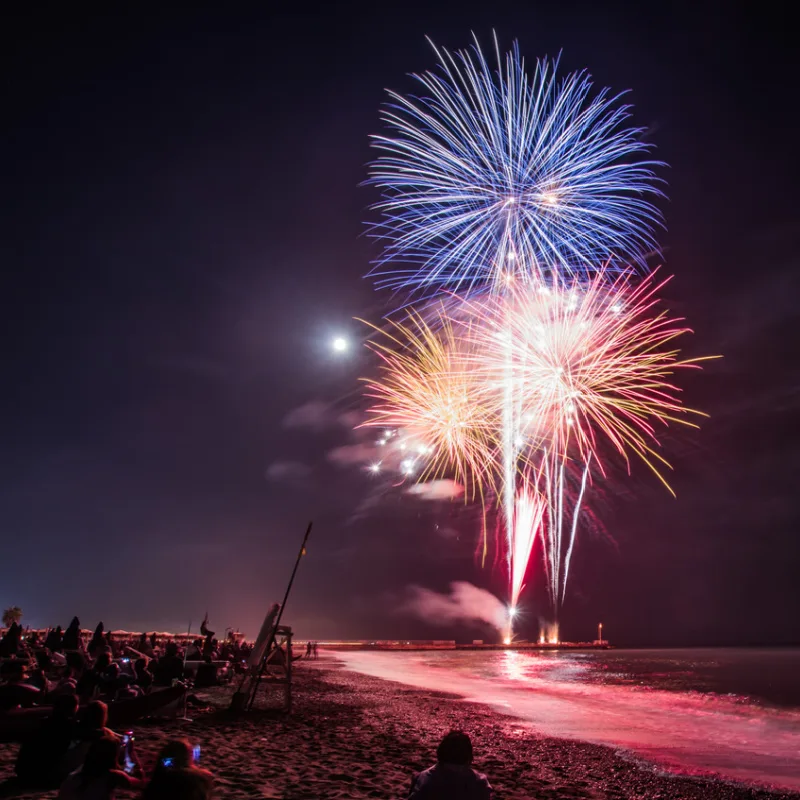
91,726
129,761
100,776
177,774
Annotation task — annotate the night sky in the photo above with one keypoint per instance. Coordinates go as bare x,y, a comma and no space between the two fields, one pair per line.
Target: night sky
183,232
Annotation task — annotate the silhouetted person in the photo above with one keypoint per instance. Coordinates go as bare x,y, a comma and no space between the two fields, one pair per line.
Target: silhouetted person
92,725
195,650
144,646
177,776
13,691
38,675
9,644
93,722
169,667
100,776
315,651
98,642
41,759
206,675
143,678
53,641
67,682
94,678
113,681
452,777
308,650
72,635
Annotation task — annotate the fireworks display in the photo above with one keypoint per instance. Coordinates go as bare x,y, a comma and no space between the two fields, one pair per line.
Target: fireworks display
526,202
491,172
521,393
428,391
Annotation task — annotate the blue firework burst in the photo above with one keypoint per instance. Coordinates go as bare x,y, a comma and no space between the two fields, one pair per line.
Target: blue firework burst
492,174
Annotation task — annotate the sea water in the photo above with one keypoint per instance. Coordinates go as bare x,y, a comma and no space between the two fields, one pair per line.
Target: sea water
728,712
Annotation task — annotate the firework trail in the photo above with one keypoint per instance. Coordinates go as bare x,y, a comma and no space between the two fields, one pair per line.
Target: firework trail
529,511
590,362
588,358
494,172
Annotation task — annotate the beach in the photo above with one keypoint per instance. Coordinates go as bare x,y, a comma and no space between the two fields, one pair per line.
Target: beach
355,736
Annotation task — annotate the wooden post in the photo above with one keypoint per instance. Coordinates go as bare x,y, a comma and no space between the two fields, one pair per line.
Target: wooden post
289,673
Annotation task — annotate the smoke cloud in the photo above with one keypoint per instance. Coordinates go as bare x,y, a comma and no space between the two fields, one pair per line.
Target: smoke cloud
465,603
439,489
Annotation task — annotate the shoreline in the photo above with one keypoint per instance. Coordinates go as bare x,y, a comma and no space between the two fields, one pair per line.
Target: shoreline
354,736
657,781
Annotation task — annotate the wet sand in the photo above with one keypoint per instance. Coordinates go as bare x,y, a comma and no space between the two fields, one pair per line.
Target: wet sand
352,736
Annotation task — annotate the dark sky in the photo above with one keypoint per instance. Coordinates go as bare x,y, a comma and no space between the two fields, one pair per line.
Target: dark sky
182,233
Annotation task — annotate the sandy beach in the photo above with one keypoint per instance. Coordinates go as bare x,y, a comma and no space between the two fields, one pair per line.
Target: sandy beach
353,736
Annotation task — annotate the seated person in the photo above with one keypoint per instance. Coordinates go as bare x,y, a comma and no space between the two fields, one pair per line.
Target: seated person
144,646
70,675
195,651
114,681
41,760
143,678
38,675
11,641
98,643
53,640
206,675
13,691
452,776
100,776
92,725
177,775
93,679
72,635
169,667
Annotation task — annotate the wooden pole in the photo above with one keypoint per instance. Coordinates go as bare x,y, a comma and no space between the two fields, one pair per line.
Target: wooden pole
184,718
272,635
289,674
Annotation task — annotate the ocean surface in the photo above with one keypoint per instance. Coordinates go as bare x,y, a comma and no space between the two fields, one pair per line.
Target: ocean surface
728,712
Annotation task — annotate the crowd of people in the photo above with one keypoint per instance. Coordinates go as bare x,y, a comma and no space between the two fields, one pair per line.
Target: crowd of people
86,760
77,676
108,667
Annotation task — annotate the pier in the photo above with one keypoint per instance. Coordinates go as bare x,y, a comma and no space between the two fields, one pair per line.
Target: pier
451,644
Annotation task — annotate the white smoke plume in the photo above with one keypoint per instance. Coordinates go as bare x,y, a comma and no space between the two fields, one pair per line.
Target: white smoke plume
465,603
439,489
